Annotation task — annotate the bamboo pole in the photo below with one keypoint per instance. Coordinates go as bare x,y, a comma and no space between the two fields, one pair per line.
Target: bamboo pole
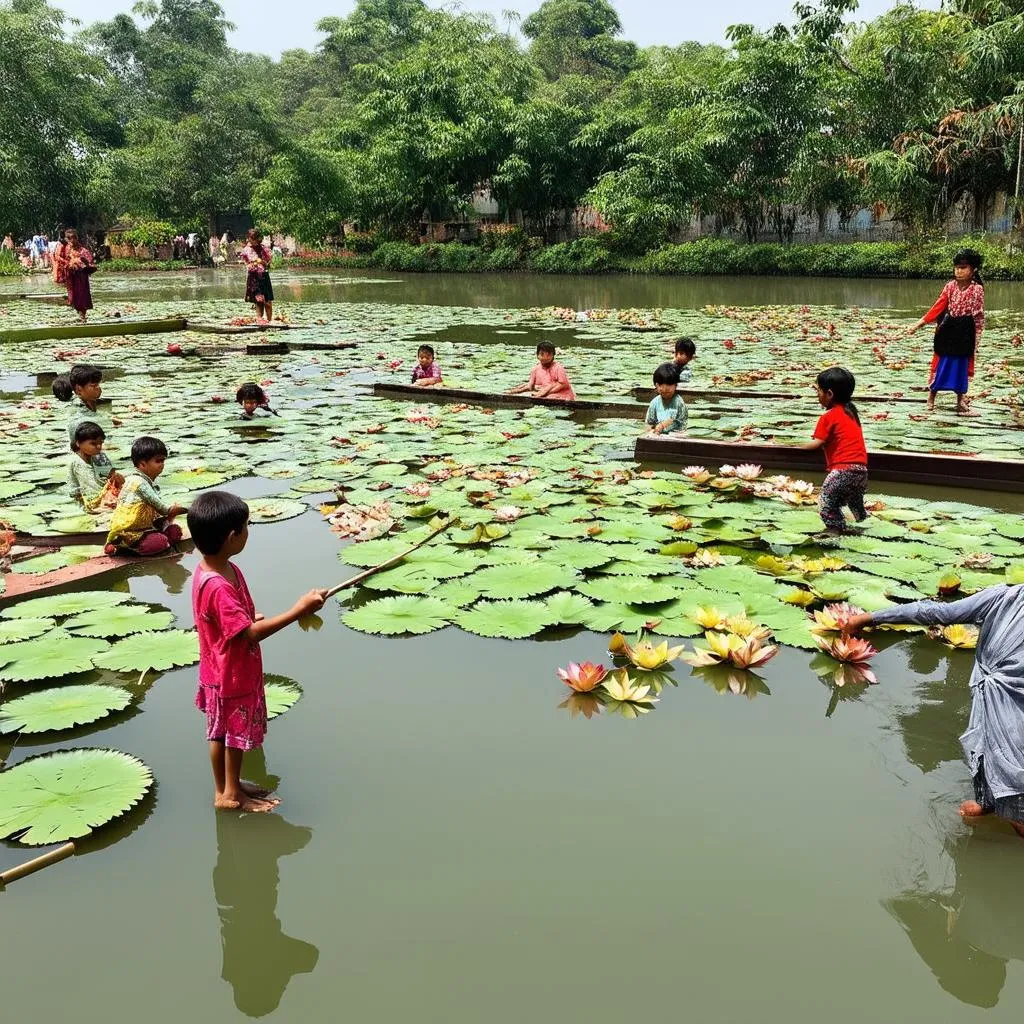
366,574
37,863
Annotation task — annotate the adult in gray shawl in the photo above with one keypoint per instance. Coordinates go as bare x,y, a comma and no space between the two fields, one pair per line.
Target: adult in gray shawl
994,740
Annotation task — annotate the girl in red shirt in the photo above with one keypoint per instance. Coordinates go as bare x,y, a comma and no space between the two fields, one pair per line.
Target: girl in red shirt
846,457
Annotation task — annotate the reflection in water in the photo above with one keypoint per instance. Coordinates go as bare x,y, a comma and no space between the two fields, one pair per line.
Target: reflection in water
931,731
259,959
967,937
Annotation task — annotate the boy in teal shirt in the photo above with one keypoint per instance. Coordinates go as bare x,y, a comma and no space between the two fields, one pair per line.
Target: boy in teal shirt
667,412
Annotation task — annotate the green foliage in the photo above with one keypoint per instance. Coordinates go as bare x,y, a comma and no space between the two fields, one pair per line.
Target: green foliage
149,233
9,265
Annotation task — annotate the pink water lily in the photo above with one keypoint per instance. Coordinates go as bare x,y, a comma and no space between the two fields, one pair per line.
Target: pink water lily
748,471
507,513
582,677
833,617
698,474
729,648
849,649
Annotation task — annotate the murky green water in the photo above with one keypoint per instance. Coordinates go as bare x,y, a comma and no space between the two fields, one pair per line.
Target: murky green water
453,847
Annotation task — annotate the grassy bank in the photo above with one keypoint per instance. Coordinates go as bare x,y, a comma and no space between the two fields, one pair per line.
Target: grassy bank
707,256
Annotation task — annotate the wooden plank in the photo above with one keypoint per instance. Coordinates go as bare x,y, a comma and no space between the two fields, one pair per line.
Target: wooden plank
60,540
23,584
435,394
202,328
96,329
904,467
689,394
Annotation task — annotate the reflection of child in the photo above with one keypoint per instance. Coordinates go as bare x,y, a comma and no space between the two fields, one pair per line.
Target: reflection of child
667,412
427,373
994,740
230,632
684,354
252,398
846,457
548,379
90,476
141,524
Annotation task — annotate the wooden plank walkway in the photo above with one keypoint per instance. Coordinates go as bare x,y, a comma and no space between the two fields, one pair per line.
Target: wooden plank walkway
950,471
96,329
689,394
23,584
435,394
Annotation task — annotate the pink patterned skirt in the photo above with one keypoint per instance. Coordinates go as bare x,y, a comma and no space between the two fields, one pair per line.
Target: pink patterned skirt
239,722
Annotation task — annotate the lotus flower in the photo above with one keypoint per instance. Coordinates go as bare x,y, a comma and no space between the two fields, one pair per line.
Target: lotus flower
620,687
585,704
727,471
704,558
748,471
507,513
698,474
744,627
833,617
646,655
850,649
965,637
583,677
728,647
708,618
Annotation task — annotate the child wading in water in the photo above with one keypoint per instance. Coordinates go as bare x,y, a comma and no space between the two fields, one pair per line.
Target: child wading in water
81,387
667,412
427,373
846,457
252,398
548,379
258,288
91,479
994,740
230,632
960,312
684,354
141,524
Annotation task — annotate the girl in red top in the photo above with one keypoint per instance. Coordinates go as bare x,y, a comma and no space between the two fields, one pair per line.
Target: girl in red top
960,314
846,457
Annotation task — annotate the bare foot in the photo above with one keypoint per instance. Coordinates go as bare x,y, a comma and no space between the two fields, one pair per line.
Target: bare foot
1018,828
243,802
251,789
972,809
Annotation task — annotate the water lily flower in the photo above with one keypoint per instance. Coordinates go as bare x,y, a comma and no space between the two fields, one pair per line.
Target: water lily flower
507,513
963,637
850,649
704,558
744,627
708,618
748,471
726,470
742,652
949,584
977,560
646,655
698,474
799,597
583,677
617,644
680,523
833,617
622,689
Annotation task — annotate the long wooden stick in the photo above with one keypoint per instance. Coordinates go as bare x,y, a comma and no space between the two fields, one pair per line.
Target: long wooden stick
366,574
42,861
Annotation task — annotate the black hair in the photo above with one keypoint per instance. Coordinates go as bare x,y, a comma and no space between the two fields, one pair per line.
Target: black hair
970,258
146,448
86,431
686,347
840,382
425,348
63,387
251,392
213,516
545,346
667,373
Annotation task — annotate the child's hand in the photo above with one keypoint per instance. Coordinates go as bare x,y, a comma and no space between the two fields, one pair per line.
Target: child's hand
855,623
311,602
177,510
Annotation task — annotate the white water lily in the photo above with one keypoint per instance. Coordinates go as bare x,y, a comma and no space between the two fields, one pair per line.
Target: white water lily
748,471
507,513
727,471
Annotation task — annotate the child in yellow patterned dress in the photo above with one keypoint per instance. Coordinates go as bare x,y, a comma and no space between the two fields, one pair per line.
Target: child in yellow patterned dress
142,522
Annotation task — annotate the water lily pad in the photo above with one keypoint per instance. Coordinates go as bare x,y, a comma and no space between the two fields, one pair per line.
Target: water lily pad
513,620
281,693
12,630
49,656
58,605
169,648
120,620
275,510
62,707
522,580
394,615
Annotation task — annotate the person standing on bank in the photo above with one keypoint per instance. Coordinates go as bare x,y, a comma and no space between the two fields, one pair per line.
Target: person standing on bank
960,317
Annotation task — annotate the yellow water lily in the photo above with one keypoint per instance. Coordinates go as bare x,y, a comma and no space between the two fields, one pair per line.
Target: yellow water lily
736,650
680,523
617,644
708,618
620,687
965,637
744,627
798,597
646,655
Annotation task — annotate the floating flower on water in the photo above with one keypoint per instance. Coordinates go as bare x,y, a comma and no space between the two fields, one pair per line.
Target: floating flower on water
726,470
964,637
949,584
704,558
742,652
748,471
708,618
507,513
583,677
799,597
833,617
617,644
851,649
680,523
698,474
647,656
421,490
780,480
724,483
620,687
813,566
977,560
744,627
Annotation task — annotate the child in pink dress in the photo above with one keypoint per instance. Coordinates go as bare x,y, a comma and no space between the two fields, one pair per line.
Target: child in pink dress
230,662
548,379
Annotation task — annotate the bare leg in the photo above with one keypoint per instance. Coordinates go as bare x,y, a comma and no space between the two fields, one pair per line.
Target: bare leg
931,401
233,797
972,809
1018,828
217,763
269,306
259,310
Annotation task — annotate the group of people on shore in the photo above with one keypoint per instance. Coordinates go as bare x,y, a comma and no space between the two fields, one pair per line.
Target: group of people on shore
33,253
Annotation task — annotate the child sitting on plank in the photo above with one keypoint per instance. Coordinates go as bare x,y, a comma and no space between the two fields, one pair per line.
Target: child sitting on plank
142,521
548,379
252,398
684,354
667,412
90,475
426,373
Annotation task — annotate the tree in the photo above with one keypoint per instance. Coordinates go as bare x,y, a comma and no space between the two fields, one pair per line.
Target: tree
578,37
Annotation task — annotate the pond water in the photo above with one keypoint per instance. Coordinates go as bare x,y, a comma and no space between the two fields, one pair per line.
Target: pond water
452,846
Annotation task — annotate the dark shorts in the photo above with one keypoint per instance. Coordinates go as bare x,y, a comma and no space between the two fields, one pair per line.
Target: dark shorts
258,284
1009,807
